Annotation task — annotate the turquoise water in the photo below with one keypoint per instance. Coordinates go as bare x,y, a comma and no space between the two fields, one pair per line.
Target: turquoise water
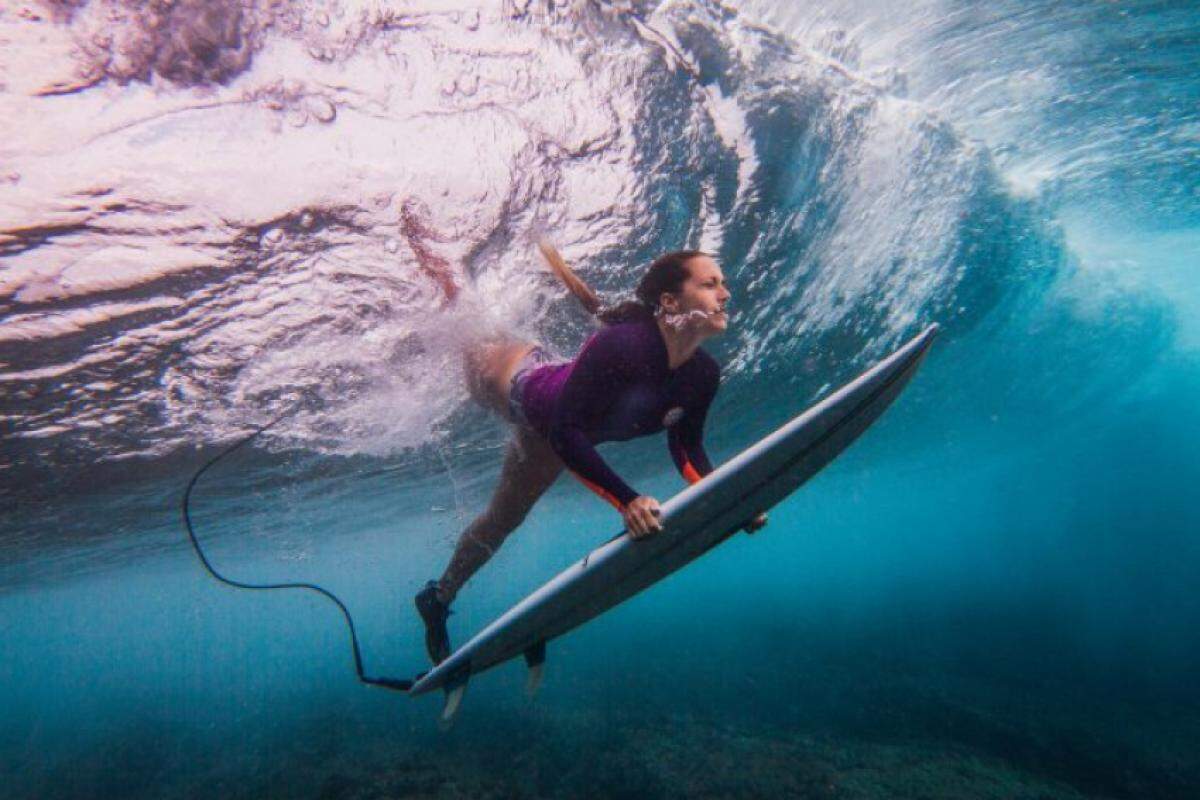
992,594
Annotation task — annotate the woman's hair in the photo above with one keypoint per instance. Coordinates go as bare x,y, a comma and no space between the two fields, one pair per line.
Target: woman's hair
666,274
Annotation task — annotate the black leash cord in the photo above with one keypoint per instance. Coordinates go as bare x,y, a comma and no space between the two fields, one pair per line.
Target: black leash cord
400,685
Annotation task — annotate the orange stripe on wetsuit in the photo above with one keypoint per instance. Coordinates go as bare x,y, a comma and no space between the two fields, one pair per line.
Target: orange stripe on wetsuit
606,496
689,473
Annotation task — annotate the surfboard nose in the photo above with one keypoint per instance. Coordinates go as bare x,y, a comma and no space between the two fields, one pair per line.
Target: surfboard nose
922,340
911,353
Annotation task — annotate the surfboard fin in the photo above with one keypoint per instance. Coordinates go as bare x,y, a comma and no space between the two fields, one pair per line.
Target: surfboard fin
450,709
535,658
455,688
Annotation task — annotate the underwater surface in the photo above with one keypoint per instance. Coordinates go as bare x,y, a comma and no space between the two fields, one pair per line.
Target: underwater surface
211,213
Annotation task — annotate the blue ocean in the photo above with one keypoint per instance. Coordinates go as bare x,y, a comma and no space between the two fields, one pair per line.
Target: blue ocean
213,214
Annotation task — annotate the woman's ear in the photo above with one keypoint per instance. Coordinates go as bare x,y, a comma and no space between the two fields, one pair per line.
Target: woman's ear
668,303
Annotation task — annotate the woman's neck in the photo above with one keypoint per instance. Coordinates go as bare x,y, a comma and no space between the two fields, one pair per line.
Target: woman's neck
681,344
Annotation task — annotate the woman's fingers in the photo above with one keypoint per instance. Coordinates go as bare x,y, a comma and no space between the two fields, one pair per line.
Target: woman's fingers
635,524
649,516
641,517
636,528
649,522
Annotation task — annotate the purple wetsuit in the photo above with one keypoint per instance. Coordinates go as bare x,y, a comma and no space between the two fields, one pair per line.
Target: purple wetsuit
618,387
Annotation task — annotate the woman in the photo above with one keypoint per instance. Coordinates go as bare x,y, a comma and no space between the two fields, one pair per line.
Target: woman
642,373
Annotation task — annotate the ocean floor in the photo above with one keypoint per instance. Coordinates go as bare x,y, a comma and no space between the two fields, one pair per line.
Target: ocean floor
887,738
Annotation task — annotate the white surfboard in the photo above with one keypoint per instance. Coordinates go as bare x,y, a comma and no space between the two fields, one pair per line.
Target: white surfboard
694,521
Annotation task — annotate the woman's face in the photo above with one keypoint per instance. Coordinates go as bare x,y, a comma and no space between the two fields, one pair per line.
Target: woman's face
700,303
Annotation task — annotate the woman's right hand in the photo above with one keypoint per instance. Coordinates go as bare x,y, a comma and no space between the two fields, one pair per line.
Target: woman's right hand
641,517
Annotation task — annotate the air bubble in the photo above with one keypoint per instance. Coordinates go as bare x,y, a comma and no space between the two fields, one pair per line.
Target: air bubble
323,109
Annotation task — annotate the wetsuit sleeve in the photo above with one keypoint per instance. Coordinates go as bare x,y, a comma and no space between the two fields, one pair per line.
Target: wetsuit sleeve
599,372
685,439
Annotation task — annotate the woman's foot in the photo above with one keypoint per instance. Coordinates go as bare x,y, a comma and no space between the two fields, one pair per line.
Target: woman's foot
434,613
419,234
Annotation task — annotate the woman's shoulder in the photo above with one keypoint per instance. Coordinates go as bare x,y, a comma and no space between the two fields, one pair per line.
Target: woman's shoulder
625,335
637,328
616,346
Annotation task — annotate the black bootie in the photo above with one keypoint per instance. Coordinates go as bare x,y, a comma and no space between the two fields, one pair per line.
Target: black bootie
434,613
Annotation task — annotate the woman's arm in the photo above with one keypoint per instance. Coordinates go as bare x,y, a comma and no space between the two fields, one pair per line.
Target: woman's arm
599,373
685,439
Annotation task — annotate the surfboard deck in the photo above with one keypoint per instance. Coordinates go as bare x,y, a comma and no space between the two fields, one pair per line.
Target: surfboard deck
694,521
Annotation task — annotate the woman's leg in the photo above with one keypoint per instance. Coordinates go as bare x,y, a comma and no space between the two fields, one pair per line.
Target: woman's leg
530,468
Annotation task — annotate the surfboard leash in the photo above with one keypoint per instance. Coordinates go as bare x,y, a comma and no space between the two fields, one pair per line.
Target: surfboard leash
395,684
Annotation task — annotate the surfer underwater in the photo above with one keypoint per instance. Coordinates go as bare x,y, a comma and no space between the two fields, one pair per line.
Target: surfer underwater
640,374
644,372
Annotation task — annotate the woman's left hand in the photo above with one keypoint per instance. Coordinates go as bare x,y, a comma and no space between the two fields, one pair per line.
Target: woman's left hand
641,517
756,523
